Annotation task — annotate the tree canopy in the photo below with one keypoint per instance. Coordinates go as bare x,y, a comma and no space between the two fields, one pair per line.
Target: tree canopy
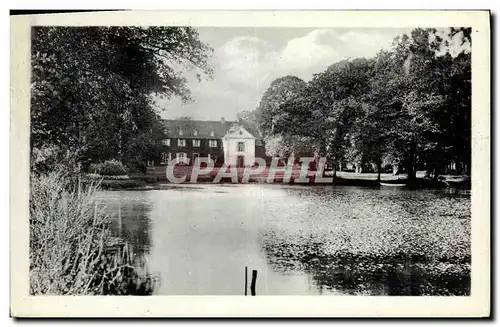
92,87
407,107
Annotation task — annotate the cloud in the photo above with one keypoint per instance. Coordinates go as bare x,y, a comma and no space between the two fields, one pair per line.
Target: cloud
246,59
365,44
250,60
458,44
245,66
309,50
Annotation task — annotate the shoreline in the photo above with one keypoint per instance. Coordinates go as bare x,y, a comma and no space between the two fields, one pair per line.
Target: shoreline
401,183
157,178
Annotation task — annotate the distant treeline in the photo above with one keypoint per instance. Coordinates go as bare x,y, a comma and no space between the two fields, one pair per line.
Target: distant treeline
408,107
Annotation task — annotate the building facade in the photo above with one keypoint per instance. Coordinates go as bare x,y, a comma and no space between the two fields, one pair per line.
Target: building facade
222,141
239,147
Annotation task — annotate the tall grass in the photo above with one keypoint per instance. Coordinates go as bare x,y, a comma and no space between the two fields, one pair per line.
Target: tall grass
70,242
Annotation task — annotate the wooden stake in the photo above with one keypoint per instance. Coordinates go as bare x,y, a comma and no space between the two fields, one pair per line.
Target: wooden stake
254,280
246,280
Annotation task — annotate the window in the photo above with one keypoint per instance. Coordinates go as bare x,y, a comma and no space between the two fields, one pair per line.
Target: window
241,146
166,142
196,143
212,143
212,133
181,157
181,142
195,133
181,132
163,158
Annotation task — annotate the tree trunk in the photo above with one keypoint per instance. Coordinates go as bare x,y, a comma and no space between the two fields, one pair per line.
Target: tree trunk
429,170
395,169
436,173
412,174
467,164
334,171
379,168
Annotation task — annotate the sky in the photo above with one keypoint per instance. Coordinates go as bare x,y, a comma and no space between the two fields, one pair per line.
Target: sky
247,60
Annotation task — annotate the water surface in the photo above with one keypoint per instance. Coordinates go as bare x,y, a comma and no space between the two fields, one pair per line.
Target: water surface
302,240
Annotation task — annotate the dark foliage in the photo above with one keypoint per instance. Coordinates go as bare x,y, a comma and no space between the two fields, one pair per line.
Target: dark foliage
92,86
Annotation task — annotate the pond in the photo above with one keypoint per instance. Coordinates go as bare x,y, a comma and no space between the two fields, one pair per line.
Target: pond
302,240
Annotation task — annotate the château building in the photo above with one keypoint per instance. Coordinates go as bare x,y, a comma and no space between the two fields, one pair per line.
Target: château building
223,141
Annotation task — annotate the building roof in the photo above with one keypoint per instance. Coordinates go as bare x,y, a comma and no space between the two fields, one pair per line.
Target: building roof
238,132
202,127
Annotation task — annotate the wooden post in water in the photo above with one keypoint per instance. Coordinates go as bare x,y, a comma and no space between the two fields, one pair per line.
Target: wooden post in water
254,280
246,280
119,219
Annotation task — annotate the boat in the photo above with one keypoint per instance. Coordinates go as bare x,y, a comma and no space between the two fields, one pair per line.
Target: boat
392,184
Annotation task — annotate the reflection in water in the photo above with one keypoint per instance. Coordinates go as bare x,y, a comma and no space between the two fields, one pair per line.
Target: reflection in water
130,227
131,223
372,274
301,239
378,242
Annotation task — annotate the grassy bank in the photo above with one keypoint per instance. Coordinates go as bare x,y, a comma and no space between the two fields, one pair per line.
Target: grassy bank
119,182
110,184
72,250
342,178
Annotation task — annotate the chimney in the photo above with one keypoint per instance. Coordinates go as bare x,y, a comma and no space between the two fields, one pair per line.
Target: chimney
222,120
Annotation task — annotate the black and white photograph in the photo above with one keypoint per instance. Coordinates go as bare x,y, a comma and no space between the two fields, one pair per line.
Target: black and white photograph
167,160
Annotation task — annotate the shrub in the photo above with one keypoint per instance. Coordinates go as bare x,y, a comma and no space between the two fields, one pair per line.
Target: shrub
94,176
94,168
117,177
108,177
122,184
137,166
112,168
50,158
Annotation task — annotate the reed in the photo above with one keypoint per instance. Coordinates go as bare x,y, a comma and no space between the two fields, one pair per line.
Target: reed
72,250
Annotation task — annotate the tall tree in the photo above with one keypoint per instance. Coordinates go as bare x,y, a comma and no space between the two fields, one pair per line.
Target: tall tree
249,120
284,118
422,103
275,100
92,87
336,99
